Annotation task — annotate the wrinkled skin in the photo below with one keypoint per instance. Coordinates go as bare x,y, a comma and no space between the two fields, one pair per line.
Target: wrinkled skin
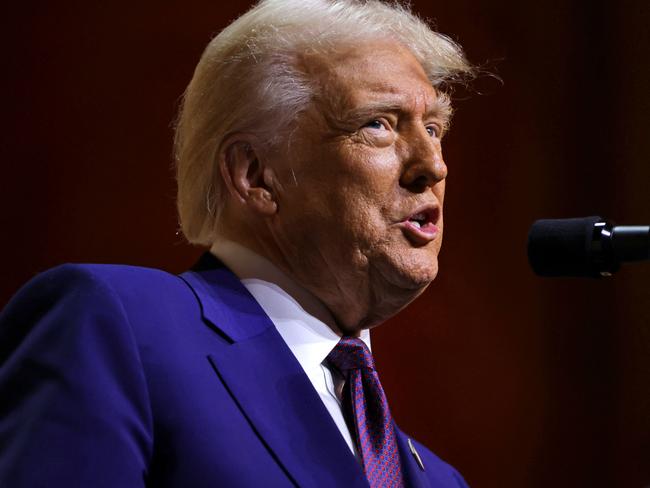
363,157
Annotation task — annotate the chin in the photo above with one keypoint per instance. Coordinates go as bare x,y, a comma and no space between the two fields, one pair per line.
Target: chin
395,280
416,268
418,278
410,271
395,292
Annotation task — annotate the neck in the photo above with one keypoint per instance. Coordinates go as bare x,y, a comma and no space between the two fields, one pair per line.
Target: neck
345,295
248,264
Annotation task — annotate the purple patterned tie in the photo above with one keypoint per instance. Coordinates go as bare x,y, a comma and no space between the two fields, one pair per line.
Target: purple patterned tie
368,408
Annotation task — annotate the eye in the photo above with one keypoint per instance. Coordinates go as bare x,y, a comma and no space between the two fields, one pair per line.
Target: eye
433,130
376,124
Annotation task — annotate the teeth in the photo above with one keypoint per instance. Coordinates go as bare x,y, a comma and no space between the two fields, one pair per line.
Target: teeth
415,223
419,216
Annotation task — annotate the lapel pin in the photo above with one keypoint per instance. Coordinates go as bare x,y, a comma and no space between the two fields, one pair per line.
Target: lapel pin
417,457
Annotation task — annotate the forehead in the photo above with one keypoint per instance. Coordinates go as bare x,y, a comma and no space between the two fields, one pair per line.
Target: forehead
380,72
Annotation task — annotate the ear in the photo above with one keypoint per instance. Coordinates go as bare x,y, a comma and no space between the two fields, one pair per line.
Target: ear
242,168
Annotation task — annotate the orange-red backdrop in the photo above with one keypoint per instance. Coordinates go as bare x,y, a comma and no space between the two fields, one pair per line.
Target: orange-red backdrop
518,381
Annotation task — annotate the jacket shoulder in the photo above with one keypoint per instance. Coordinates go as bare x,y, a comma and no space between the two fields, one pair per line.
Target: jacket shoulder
109,293
71,376
87,280
107,274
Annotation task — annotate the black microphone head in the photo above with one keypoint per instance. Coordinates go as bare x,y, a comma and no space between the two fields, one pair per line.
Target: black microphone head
563,247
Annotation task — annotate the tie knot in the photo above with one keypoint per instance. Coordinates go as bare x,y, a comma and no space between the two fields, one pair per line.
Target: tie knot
351,353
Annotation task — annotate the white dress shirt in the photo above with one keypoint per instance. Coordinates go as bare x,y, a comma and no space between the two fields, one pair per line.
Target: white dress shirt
302,320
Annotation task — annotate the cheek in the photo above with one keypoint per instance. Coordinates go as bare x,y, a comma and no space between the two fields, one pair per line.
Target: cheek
371,185
370,204
359,217
346,193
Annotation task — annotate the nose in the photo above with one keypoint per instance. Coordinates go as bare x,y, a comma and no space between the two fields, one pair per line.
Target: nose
423,164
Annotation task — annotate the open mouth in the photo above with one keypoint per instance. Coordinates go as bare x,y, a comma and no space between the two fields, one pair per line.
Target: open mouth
421,226
419,220
423,218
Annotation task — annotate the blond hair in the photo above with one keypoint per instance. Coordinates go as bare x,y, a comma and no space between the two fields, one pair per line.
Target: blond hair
248,80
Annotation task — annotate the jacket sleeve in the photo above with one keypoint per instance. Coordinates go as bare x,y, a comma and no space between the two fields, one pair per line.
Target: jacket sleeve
74,408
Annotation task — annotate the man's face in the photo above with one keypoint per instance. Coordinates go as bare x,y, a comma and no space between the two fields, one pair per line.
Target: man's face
361,184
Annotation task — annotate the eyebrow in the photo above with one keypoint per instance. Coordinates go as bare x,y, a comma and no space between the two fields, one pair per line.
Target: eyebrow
440,109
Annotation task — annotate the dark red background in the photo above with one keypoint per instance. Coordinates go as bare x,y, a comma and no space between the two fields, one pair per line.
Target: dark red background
518,381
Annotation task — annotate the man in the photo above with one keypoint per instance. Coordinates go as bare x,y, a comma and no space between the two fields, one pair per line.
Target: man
309,161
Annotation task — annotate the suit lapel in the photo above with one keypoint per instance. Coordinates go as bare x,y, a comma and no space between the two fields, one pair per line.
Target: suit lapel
270,387
281,404
414,475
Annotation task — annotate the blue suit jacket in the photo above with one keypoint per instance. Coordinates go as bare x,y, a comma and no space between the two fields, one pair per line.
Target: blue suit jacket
118,376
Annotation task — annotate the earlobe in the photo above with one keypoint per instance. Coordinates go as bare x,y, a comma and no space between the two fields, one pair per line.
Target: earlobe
245,176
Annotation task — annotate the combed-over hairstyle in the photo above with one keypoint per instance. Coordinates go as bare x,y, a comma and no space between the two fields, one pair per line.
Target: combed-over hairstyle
249,80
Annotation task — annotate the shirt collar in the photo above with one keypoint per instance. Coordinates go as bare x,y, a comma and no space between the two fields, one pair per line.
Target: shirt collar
302,320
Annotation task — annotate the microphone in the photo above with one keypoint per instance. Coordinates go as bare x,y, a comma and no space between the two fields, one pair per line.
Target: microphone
585,247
